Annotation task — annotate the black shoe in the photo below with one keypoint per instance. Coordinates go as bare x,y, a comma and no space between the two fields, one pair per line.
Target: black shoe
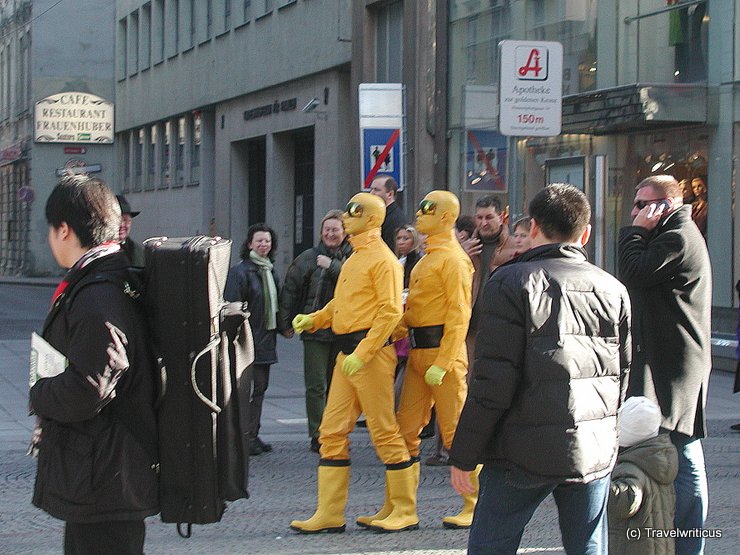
266,447
361,423
315,444
426,434
735,427
436,460
254,448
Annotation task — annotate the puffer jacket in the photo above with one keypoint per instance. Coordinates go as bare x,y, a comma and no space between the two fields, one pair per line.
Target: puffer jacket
552,357
642,497
90,467
308,287
244,283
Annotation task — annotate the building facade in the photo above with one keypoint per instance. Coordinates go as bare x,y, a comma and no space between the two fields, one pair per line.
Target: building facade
234,112
68,77
650,86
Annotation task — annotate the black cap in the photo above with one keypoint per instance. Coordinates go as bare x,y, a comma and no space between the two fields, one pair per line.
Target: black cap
126,207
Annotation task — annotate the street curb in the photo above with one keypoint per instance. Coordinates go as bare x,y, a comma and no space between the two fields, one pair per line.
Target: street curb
33,281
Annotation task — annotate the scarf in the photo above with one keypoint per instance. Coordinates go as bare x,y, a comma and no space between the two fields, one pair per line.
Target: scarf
269,291
93,254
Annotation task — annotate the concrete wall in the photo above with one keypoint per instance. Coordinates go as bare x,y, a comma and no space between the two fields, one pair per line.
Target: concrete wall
72,50
292,40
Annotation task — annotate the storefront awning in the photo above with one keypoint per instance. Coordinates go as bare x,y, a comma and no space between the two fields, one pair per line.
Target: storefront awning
636,107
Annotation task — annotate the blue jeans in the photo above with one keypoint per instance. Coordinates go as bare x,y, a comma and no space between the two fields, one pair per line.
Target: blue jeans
692,494
506,503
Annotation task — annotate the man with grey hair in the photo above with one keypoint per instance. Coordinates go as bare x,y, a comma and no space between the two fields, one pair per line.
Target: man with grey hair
664,262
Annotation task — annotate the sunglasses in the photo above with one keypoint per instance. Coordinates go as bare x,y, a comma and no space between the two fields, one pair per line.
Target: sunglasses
428,207
354,209
640,204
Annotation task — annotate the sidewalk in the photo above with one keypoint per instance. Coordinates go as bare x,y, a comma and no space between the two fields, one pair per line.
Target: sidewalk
283,487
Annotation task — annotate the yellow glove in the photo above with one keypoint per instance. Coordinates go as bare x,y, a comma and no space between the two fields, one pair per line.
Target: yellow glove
434,375
352,364
302,322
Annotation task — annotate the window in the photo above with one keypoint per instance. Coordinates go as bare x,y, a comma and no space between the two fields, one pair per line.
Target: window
126,153
227,15
145,33
153,135
195,155
209,18
172,28
167,155
180,154
133,43
139,158
157,26
388,44
122,53
246,10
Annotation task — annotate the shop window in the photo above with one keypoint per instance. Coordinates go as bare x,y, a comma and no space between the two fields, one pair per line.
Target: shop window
668,46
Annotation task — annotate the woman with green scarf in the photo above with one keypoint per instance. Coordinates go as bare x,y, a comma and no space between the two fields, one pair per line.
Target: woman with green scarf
255,281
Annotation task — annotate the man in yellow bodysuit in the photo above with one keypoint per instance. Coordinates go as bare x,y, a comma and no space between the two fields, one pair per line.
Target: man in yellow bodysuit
437,316
365,310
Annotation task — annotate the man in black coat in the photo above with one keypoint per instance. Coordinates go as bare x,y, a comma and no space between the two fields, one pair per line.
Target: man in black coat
133,249
386,188
92,471
664,262
552,357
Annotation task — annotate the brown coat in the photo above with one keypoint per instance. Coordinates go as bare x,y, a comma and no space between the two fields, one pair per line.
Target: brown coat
505,251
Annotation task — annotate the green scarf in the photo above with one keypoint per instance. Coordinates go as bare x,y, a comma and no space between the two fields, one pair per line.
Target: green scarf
269,291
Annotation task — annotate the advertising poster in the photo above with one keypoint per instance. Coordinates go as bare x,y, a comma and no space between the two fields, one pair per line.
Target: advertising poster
485,161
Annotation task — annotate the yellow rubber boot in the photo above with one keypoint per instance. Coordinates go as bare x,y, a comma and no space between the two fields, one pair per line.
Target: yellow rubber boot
384,511
402,486
465,517
332,499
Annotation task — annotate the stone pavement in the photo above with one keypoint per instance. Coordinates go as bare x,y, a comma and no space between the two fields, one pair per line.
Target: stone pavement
282,483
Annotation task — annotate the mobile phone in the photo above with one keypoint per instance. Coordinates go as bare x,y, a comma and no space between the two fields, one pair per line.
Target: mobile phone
659,208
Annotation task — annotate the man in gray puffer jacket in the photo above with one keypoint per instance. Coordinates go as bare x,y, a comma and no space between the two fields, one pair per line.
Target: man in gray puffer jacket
552,357
642,497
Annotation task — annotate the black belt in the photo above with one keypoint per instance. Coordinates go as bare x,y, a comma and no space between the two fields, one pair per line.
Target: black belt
347,342
427,337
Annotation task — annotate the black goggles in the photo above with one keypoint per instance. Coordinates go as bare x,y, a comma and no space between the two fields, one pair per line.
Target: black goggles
354,209
428,207
640,204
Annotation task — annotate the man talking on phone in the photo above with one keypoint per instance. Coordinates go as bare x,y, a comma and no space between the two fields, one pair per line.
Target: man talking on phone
664,263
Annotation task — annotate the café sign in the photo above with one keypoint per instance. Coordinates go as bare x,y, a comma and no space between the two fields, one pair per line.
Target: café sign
73,117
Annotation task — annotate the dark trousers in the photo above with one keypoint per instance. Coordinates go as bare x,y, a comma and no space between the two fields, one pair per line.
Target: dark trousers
318,362
260,381
118,537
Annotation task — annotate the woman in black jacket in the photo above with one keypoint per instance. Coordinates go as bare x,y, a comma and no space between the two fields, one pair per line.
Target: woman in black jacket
255,281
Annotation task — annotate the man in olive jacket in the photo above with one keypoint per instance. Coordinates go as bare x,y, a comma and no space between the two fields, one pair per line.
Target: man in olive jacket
92,471
664,262
552,357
